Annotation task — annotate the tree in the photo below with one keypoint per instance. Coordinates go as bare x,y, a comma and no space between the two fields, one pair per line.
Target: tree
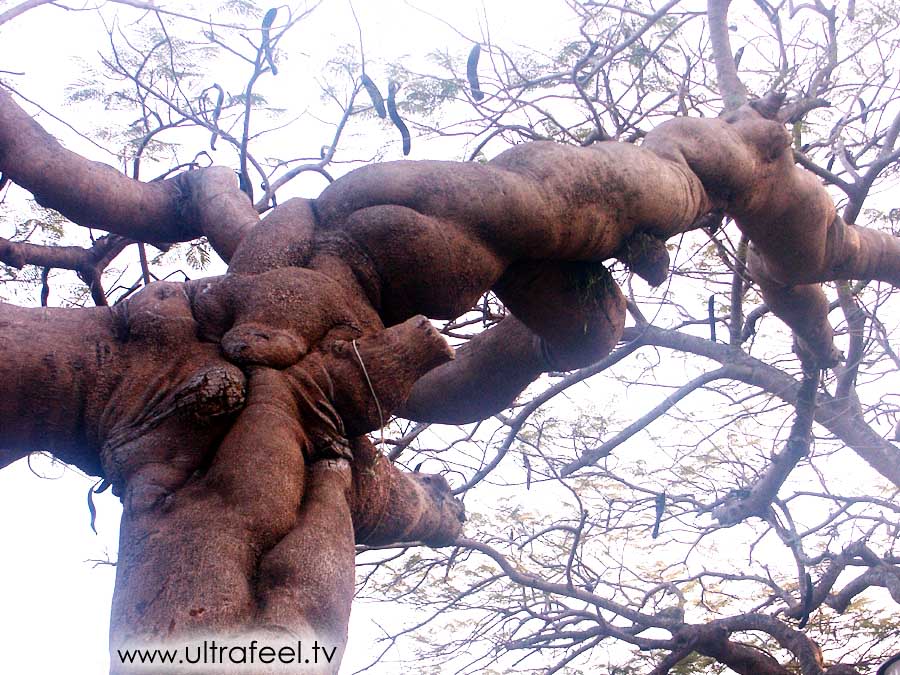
230,413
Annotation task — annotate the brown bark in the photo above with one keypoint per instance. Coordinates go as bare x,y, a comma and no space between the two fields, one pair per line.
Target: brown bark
745,162
712,640
92,194
211,463
53,379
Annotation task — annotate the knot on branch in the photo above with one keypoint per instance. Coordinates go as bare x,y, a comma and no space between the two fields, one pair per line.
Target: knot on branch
821,356
739,505
646,256
211,393
372,376
159,315
253,343
769,105
690,637
347,372
391,506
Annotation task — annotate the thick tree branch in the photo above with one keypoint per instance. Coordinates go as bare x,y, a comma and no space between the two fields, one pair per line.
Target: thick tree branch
883,575
204,202
740,658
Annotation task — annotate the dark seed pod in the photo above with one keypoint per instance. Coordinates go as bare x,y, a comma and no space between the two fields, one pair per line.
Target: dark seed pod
395,117
375,95
268,20
808,600
245,185
98,487
472,73
220,100
92,509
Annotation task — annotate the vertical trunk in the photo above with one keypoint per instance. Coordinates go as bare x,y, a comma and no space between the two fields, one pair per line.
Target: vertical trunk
57,367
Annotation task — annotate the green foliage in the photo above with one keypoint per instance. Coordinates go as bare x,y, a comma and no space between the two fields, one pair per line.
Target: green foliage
696,664
245,8
199,255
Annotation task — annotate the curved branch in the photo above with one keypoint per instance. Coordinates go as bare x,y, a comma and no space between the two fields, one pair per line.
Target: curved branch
590,456
733,91
204,202
765,490
836,415
742,659
19,253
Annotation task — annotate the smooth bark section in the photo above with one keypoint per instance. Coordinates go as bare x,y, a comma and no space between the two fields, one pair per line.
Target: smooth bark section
57,369
576,308
96,195
283,239
223,213
301,590
579,313
486,374
389,505
733,91
384,369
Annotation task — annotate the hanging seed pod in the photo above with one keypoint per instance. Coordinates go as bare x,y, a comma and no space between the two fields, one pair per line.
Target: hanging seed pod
268,20
375,95
395,117
472,73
